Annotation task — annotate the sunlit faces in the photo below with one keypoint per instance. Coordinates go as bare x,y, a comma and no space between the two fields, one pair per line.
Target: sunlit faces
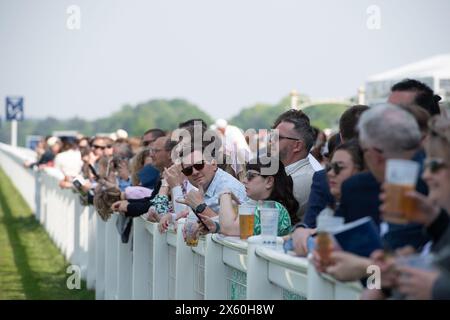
205,173
258,187
160,156
341,168
99,147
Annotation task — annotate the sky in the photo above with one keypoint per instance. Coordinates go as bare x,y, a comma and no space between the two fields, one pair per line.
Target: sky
222,55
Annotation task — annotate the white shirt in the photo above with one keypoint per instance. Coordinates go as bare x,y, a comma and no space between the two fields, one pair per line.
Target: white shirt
69,162
314,163
301,173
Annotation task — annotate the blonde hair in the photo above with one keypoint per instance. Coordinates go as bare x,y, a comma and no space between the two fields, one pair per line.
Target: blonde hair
137,163
103,199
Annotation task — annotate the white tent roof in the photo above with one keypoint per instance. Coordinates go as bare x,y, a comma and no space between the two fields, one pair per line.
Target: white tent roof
436,66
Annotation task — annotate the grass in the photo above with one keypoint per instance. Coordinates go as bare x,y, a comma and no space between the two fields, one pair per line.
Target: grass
31,267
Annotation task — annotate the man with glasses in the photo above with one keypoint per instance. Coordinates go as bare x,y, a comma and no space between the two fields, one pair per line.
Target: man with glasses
295,140
160,152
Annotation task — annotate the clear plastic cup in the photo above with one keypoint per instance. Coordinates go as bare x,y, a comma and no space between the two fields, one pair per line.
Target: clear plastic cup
269,223
401,177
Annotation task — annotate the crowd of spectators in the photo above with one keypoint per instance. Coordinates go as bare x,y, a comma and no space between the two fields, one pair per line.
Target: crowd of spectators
165,175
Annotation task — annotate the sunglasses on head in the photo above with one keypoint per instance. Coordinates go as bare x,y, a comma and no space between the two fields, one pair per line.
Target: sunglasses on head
336,167
187,171
434,165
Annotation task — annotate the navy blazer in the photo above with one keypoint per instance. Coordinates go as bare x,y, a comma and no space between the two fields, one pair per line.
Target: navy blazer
360,198
319,198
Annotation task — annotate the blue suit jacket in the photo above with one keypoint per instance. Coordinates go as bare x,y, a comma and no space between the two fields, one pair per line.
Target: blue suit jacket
360,198
319,198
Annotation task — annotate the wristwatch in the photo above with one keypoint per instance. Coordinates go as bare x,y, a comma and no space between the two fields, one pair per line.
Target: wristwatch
200,208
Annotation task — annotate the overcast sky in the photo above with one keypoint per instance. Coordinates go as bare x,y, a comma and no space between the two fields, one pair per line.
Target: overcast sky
222,55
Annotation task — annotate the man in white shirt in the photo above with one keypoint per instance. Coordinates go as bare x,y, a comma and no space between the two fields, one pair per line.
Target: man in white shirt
295,139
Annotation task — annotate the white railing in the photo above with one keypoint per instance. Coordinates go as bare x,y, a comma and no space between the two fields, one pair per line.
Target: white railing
160,266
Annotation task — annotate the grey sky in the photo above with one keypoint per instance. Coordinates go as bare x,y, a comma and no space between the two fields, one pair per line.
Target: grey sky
222,55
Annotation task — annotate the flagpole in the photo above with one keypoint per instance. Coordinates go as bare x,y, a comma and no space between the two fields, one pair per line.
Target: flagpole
14,133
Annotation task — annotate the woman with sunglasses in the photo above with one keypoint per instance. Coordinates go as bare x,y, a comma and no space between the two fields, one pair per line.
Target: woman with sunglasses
263,181
346,161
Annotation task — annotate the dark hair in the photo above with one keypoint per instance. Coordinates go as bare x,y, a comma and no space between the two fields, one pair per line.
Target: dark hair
425,97
301,125
348,121
282,191
333,142
192,122
187,147
354,149
156,132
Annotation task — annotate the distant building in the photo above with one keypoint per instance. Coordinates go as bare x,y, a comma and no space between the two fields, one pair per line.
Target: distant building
434,71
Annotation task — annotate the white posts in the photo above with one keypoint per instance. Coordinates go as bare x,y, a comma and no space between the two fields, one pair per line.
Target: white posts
14,133
161,266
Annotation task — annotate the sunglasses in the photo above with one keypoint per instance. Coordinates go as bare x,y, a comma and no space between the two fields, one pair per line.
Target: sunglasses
99,147
189,170
250,175
434,165
335,167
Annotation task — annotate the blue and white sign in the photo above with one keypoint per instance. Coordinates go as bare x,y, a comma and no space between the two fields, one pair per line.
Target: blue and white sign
14,108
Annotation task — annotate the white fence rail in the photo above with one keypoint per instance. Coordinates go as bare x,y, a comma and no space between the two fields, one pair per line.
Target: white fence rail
160,266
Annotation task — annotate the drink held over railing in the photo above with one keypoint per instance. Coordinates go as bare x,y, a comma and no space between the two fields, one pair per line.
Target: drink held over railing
191,230
401,177
246,220
326,223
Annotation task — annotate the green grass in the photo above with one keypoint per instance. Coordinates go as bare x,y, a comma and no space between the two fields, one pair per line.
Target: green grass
31,267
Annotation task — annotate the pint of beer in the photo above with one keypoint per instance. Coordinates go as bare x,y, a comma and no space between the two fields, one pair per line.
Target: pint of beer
401,177
324,246
191,230
246,220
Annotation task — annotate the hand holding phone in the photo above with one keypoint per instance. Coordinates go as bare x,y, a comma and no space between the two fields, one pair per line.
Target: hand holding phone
94,172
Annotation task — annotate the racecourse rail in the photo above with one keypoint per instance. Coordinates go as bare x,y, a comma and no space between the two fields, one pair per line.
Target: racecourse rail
160,266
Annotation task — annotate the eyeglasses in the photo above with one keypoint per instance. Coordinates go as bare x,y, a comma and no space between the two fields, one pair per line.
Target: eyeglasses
250,175
189,170
434,165
99,147
109,146
336,167
274,135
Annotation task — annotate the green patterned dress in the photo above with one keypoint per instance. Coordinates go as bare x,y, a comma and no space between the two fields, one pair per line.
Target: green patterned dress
284,221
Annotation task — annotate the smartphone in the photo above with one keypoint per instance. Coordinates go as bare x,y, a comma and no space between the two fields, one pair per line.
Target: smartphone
94,172
198,217
78,183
